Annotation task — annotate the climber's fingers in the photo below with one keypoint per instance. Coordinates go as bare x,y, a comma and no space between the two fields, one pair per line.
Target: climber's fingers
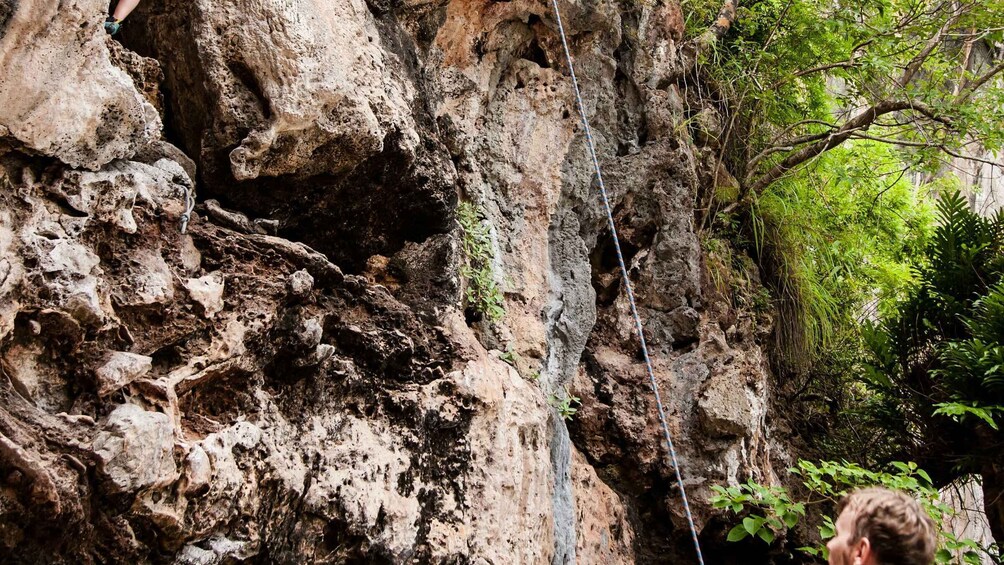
112,25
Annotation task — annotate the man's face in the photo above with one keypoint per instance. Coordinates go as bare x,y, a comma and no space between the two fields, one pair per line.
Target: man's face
842,551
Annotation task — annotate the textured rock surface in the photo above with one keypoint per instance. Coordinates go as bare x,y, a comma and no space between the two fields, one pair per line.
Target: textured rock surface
120,369
269,427
61,94
605,534
135,448
320,95
232,394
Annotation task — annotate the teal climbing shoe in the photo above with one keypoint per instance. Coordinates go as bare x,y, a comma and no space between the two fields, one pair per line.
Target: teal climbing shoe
112,25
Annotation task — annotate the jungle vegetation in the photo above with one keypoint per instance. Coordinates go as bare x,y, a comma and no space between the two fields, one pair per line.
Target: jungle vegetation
847,126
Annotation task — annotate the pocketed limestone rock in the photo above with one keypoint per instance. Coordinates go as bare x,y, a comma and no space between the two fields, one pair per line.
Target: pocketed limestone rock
337,406
60,94
120,369
604,532
300,284
727,407
322,101
111,194
150,280
198,471
136,449
207,291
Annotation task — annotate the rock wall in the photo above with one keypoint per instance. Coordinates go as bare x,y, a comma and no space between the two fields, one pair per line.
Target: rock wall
295,378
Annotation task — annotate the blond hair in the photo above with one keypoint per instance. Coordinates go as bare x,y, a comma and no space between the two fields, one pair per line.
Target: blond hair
899,531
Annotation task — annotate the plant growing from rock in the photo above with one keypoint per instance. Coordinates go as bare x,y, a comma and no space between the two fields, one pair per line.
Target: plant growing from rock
565,403
510,357
483,295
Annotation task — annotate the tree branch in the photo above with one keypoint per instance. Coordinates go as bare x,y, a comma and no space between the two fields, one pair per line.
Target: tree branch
716,31
929,112
791,128
976,84
776,146
967,57
935,40
861,121
786,146
899,142
927,145
971,158
723,23
839,65
850,63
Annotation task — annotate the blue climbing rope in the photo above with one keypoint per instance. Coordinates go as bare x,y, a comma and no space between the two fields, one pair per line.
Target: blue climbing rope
627,285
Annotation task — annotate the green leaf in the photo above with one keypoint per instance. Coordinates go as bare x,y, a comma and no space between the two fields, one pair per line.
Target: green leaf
752,524
766,535
737,533
957,411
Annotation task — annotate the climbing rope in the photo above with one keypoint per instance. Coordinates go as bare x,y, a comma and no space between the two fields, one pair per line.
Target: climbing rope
627,284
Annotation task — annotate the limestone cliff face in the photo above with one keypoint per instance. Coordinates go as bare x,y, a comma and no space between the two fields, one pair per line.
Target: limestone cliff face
294,378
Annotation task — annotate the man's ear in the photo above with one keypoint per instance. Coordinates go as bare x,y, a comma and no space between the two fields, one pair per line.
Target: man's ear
862,551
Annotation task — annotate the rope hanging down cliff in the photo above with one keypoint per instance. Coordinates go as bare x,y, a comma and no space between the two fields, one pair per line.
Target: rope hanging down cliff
627,284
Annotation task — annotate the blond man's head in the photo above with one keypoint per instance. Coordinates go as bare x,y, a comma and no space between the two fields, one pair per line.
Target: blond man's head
877,526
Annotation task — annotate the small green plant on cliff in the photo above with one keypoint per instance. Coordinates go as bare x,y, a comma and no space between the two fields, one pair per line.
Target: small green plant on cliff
483,294
510,357
768,512
565,403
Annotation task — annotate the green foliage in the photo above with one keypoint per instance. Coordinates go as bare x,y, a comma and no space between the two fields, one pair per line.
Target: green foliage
483,294
565,403
940,352
972,369
958,411
777,512
832,480
830,242
890,330
789,67
768,513
834,232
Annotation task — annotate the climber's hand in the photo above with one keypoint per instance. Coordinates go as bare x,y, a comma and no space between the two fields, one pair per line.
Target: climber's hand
112,25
